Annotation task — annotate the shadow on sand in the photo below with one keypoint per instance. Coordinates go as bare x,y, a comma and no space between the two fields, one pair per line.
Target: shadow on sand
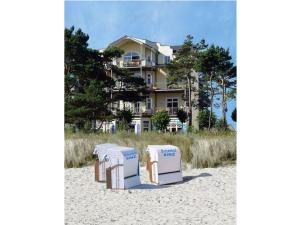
185,179
149,186
189,178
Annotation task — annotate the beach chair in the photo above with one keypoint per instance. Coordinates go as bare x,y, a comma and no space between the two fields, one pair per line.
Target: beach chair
123,171
164,164
101,165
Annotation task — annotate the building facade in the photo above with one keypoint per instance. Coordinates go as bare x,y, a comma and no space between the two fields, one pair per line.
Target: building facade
147,59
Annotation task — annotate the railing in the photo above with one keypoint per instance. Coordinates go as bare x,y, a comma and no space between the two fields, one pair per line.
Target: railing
172,110
143,111
158,85
132,63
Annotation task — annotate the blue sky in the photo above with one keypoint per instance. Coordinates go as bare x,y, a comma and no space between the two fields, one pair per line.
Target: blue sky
165,22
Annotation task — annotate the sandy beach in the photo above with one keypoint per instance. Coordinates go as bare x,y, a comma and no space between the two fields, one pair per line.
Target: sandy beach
206,196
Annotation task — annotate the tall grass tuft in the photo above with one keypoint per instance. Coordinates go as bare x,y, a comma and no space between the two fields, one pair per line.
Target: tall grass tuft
201,150
212,152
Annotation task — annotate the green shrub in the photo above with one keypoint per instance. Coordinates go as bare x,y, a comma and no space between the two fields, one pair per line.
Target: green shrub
160,120
203,119
219,124
182,115
124,116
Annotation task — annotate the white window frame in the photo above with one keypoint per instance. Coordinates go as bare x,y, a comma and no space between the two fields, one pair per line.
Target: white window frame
137,105
172,108
172,101
148,102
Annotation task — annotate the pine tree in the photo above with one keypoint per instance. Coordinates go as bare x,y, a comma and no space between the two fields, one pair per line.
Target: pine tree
181,69
207,64
227,80
88,89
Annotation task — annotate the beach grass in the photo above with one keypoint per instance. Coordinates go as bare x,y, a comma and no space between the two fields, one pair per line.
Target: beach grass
201,150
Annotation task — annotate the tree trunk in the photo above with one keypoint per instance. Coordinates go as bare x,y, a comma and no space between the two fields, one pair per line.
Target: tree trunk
189,99
223,104
211,100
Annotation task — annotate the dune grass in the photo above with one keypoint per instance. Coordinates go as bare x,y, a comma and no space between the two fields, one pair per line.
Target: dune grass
201,150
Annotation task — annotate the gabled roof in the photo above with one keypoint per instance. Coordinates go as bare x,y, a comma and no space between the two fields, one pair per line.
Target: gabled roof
148,43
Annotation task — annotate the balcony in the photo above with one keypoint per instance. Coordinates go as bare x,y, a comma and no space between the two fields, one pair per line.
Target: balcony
143,112
139,111
172,111
132,63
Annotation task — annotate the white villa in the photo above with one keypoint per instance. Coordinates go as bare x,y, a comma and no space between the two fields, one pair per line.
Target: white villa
147,59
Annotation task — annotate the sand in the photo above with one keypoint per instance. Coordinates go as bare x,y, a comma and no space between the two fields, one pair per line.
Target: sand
206,196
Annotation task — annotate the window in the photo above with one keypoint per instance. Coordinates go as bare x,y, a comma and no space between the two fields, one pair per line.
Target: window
137,107
148,103
172,105
146,125
149,79
172,102
131,56
167,59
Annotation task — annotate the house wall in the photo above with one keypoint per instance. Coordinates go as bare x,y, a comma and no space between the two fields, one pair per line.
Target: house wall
161,79
133,46
164,51
161,99
148,53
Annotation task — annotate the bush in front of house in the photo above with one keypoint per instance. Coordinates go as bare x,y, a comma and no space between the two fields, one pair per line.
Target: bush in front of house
182,115
160,120
124,118
203,119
